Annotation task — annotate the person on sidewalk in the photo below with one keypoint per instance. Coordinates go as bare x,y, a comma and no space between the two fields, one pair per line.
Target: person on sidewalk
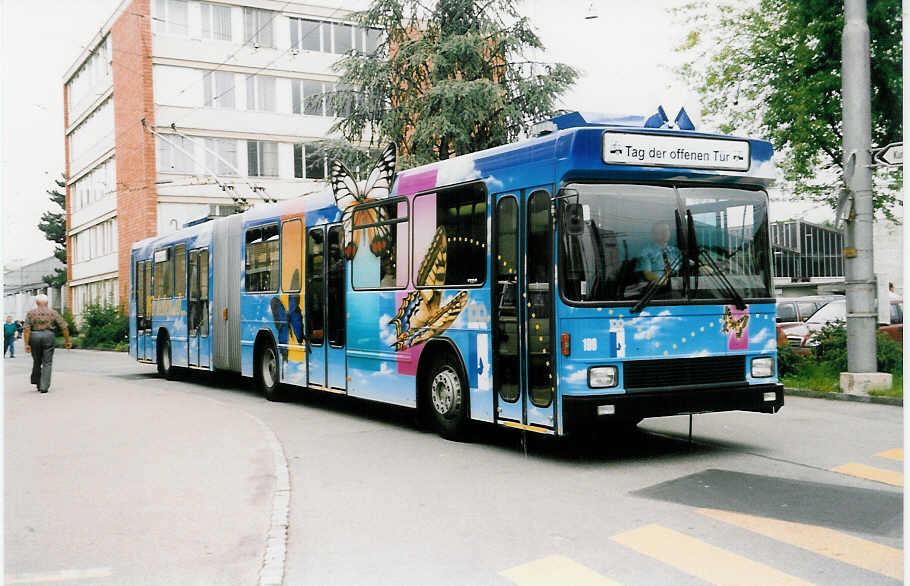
40,340
9,337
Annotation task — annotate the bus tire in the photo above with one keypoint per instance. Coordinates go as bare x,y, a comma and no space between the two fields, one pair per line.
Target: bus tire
266,372
447,398
164,358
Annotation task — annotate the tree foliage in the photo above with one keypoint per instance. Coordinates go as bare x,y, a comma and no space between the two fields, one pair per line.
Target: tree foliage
446,79
773,67
53,224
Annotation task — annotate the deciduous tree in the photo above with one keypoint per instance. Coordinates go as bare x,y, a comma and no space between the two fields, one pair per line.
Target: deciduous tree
773,68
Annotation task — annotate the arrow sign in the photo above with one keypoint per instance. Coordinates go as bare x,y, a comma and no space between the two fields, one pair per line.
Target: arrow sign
891,155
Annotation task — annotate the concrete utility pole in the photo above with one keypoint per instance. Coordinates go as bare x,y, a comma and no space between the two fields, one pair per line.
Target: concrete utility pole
861,314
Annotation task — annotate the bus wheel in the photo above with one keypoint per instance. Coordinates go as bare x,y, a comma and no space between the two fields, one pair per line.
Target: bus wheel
267,372
165,365
447,398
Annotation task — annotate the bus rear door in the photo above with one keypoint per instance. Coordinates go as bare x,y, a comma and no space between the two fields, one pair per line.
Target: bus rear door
142,291
523,343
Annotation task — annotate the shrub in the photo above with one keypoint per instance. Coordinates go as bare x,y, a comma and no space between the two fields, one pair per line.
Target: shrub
832,349
104,326
788,361
70,323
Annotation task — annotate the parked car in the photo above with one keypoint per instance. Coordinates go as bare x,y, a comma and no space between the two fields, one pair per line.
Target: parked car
799,335
799,309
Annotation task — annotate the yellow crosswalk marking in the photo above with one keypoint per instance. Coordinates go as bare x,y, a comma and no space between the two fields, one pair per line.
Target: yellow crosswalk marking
702,560
871,473
895,454
821,540
555,570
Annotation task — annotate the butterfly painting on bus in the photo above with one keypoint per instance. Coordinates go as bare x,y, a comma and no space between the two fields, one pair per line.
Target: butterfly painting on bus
422,315
735,324
349,194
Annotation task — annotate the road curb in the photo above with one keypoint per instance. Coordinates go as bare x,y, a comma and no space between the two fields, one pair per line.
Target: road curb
894,401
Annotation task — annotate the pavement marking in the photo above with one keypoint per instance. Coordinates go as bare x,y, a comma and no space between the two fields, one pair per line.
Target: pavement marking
871,473
555,570
60,576
821,540
702,560
895,454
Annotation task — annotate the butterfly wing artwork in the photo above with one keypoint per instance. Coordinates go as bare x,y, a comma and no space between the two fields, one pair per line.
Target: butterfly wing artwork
420,317
348,194
737,326
280,317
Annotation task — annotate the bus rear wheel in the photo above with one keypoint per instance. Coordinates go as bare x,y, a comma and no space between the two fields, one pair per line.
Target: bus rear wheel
447,398
266,373
165,364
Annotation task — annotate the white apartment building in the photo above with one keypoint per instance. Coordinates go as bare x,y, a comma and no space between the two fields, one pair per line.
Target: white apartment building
173,97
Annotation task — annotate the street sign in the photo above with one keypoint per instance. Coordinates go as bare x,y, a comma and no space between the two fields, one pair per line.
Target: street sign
891,155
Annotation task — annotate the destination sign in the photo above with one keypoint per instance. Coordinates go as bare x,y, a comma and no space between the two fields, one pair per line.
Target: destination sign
657,150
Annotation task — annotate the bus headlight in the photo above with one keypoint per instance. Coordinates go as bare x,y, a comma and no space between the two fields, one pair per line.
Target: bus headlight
600,377
762,367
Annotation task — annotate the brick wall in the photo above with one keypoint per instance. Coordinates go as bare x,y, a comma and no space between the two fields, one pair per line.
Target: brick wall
131,43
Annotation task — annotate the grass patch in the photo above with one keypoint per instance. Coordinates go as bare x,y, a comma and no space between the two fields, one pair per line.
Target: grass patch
813,376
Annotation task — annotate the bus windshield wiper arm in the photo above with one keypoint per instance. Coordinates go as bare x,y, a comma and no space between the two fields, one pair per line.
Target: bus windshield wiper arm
716,273
654,285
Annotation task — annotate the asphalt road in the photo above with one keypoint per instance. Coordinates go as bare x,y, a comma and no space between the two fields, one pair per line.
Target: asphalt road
118,477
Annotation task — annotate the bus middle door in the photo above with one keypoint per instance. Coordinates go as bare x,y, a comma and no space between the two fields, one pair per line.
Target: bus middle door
198,306
143,311
315,307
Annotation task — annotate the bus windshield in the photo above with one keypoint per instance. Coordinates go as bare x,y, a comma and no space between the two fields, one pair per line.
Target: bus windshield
620,242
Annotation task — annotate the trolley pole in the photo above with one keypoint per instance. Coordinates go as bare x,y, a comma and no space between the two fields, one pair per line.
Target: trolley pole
860,278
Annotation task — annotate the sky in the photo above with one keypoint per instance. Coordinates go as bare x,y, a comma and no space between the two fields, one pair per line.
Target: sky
625,57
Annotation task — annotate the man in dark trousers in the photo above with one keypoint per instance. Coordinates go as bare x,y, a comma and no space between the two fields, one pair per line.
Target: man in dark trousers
40,340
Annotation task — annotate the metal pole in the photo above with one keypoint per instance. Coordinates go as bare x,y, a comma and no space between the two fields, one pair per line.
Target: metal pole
858,177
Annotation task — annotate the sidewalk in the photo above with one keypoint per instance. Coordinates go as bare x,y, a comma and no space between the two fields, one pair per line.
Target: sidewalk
128,479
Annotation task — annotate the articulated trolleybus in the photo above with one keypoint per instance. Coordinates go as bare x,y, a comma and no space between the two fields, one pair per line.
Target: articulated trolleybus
601,272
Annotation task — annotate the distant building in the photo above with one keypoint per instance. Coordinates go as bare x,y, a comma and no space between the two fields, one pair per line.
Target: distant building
808,258
22,284
224,88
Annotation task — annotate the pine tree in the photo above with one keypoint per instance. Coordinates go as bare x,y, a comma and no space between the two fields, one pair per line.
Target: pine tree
53,224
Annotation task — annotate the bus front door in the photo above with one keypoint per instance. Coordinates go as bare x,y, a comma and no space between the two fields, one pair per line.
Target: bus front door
523,344
325,308
198,307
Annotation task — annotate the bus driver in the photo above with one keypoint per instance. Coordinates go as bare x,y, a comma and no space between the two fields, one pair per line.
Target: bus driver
659,258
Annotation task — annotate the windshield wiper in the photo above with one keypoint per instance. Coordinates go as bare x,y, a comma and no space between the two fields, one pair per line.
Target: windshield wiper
655,285
718,275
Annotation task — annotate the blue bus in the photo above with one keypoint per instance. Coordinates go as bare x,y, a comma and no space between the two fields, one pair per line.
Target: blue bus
600,272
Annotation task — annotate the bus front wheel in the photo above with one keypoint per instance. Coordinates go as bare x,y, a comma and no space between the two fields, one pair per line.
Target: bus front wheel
447,398
267,372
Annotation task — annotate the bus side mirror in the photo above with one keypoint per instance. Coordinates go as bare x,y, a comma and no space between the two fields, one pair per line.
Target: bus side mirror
573,219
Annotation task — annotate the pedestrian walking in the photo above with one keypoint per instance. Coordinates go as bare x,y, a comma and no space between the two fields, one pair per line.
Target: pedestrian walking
40,340
9,337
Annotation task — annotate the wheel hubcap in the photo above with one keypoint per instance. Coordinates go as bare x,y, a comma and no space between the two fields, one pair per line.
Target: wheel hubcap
269,367
446,392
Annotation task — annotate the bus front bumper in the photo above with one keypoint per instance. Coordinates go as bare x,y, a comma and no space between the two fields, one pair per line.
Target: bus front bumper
580,412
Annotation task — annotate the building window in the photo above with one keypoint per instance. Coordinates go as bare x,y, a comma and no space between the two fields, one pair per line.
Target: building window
310,97
95,185
380,245
262,259
262,158
306,34
308,163
216,21
218,89
332,37
221,155
175,155
171,17
260,93
258,27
